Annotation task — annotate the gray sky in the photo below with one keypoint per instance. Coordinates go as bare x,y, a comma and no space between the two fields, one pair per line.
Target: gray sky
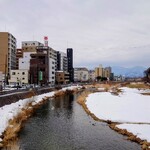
108,32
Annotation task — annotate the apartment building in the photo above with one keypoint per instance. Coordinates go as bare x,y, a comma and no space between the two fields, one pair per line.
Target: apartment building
52,61
19,77
99,71
81,74
30,46
7,52
24,62
39,71
92,75
103,72
62,62
107,72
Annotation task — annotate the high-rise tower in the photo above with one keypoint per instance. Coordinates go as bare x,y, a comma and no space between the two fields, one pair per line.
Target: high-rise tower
70,64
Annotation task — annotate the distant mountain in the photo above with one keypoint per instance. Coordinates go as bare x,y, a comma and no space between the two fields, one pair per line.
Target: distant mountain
129,72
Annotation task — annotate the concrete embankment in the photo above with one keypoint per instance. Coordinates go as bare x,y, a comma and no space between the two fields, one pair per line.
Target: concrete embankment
14,97
17,122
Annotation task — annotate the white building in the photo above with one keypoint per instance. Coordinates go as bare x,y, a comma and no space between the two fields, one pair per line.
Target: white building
24,63
62,61
81,74
52,65
20,77
92,75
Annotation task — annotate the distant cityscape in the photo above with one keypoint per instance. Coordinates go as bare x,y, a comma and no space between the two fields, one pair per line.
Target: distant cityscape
38,64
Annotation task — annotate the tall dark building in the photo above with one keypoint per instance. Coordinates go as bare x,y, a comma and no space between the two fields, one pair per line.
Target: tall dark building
70,64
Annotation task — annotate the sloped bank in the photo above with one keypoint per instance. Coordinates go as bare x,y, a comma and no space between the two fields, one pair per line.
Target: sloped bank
112,124
14,97
25,109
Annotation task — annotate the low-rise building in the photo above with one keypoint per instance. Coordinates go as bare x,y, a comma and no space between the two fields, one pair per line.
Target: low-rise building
19,77
81,75
62,77
92,75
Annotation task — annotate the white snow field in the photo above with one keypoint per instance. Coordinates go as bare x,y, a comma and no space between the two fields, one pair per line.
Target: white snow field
130,106
8,112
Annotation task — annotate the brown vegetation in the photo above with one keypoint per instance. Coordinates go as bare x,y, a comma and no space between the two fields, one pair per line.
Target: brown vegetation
145,145
17,122
115,90
139,85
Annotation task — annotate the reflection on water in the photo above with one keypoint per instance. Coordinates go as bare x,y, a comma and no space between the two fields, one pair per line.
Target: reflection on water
62,124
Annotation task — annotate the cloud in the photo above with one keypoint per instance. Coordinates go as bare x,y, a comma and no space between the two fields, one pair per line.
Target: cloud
99,31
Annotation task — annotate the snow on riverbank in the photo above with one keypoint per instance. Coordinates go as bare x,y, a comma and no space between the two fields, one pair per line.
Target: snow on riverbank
141,130
128,106
8,112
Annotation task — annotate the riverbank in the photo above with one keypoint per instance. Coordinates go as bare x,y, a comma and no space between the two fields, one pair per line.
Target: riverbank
102,107
14,115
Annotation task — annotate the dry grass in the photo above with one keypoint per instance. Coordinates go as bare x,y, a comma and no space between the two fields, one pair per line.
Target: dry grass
144,144
138,85
17,123
82,101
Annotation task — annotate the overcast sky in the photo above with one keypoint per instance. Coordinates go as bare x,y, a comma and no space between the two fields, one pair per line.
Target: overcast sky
108,32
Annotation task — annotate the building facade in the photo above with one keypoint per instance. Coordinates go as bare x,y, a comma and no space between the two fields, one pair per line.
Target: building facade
24,62
70,64
62,62
39,68
52,62
92,75
19,54
7,52
30,46
81,75
19,77
99,71
62,77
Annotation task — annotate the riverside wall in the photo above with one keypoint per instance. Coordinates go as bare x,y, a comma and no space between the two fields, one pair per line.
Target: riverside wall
14,97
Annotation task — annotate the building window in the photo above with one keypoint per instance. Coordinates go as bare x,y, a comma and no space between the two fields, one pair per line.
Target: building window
22,78
53,72
23,73
13,73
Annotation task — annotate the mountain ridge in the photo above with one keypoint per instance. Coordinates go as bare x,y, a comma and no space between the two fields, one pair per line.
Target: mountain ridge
136,71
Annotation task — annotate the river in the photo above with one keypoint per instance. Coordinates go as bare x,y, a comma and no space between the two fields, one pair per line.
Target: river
62,124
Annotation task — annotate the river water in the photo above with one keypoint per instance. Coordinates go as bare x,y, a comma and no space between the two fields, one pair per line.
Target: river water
62,124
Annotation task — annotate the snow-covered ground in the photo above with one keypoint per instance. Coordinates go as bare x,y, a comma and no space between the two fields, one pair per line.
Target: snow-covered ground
128,106
8,112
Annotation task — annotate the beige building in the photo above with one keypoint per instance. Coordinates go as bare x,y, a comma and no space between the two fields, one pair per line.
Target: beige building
81,74
107,72
99,71
20,77
30,46
62,77
103,72
7,52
